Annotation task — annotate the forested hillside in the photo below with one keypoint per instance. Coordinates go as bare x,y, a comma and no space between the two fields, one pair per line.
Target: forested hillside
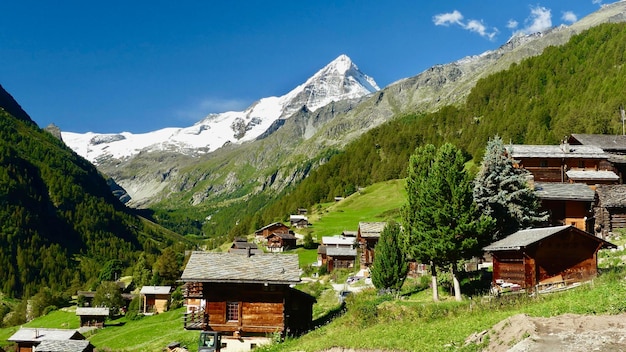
574,88
59,220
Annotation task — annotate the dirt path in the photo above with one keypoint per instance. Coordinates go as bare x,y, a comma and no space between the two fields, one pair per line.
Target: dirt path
567,333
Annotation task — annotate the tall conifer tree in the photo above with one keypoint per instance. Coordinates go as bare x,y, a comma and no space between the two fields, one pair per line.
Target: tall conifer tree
442,220
501,191
390,265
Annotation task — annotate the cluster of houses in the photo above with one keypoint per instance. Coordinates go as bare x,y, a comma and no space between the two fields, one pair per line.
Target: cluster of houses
248,294
154,300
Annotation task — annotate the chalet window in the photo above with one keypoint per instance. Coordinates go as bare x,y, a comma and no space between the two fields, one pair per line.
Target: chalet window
581,164
232,311
543,163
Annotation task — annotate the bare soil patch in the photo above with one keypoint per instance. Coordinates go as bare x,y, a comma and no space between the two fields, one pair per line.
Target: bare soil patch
567,333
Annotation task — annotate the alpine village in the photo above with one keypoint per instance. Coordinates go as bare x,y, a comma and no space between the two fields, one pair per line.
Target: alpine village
469,208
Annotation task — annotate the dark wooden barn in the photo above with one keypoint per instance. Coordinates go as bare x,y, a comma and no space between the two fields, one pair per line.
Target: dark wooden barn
368,235
533,257
610,211
247,295
567,203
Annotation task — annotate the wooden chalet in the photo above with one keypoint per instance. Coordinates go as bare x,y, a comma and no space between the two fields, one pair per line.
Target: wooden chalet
565,163
27,339
279,242
92,316
247,296
610,211
368,235
613,145
276,227
567,203
155,299
337,252
242,246
299,221
538,257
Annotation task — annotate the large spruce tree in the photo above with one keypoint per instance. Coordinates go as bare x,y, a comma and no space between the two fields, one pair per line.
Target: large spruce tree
390,265
501,192
442,222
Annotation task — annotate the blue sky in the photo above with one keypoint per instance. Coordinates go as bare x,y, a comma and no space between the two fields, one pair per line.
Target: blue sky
141,65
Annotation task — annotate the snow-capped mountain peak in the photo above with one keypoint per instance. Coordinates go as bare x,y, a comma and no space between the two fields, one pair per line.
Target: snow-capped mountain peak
339,80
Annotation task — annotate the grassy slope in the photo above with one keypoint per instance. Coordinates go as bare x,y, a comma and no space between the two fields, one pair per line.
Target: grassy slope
379,202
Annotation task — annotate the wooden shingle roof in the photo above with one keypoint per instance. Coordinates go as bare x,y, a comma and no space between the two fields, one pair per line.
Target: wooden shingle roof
612,196
556,151
564,191
241,268
524,238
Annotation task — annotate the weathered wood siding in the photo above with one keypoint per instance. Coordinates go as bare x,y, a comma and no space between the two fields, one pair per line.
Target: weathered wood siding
510,267
572,257
261,308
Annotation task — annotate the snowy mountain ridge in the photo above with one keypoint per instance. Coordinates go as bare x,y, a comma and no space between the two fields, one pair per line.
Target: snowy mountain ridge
339,80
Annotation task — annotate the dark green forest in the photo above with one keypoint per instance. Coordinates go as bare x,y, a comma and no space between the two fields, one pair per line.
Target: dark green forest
59,221
574,88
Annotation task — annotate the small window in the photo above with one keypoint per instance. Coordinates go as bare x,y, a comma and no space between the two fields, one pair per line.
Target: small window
581,164
232,311
543,163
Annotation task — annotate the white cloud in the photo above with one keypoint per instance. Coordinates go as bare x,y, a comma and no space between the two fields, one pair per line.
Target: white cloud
540,19
445,19
569,16
512,24
199,110
456,18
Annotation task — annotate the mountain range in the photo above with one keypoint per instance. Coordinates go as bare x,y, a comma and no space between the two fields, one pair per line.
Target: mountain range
339,80
333,107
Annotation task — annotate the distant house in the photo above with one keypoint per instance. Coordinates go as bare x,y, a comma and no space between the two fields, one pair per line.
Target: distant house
248,297
90,316
155,299
567,203
565,163
537,257
337,252
276,227
610,210
242,246
27,339
299,221
368,235
279,242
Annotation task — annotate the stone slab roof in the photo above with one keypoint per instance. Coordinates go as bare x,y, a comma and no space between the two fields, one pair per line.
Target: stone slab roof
155,290
605,141
371,229
42,334
92,311
524,238
63,346
340,252
564,191
556,151
338,241
284,236
238,268
600,175
612,196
